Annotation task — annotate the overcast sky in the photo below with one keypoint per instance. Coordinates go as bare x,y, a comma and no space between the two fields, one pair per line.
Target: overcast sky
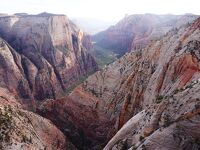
100,9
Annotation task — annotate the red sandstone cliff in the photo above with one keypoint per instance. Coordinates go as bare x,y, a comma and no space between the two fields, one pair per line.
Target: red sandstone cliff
49,54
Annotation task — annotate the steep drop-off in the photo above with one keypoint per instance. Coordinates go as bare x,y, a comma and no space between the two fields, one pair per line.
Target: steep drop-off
158,87
21,129
49,55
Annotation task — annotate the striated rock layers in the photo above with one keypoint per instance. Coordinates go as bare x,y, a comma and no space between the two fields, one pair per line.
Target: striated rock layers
136,31
151,96
48,55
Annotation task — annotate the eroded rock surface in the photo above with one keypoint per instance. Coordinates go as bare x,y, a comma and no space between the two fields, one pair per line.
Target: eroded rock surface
169,98
86,127
157,86
49,54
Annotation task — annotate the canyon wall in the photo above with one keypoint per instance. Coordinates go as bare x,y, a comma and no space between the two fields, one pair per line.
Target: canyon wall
136,31
157,86
49,52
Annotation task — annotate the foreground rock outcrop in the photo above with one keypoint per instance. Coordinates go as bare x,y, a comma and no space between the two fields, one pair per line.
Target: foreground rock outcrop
48,55
24,130
86,127
150,96
136,31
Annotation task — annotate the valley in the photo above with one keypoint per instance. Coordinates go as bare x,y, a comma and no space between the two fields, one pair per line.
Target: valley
134,85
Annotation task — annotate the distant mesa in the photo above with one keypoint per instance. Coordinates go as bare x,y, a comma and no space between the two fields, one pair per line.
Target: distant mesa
43,14
20,14
2,14
46,14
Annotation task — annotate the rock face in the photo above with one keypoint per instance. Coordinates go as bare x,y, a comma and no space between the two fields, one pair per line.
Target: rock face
151,96
86,127
136,31
24,130
21,129
48,57
161,95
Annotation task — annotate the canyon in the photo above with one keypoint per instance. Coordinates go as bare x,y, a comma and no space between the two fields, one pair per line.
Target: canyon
136,31
146,99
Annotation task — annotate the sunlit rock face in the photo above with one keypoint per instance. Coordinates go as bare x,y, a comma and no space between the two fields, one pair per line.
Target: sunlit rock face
161,95
49,52
136,31
158,87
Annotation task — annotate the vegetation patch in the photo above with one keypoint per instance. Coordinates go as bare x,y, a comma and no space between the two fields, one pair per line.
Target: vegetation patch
25,139
6,125
73,86
141,138
178,90
103,56
189,86
159,98
64,49
167,120
94,92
